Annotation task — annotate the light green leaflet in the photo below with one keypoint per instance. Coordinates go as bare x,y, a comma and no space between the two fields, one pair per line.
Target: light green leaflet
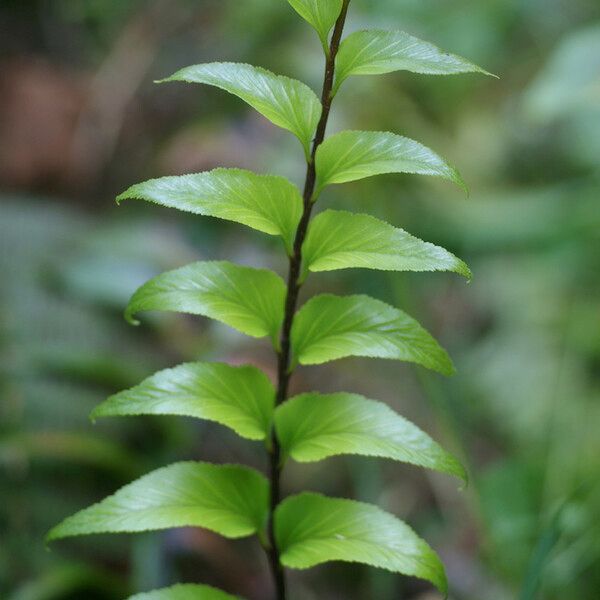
229,500
241,398
185,591
330,327
352,155
375,52
322,15
288,103
342,240
247,299
267,203
312,427
312,529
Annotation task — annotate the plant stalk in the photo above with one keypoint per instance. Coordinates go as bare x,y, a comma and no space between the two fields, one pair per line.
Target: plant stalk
284,372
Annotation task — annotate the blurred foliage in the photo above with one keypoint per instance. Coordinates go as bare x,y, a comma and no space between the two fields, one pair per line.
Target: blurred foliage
80,121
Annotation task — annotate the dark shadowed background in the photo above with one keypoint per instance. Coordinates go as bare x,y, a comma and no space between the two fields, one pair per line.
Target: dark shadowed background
81,120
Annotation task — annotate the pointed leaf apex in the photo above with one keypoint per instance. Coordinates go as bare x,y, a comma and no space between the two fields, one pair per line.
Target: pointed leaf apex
458,179
128,314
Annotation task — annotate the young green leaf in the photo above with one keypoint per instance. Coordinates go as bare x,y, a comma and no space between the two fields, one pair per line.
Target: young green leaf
352,155
241,398
247,299
267,203
313,426
286,102
375,52
227,499
185,591
330,327
342,240
312,529
321,15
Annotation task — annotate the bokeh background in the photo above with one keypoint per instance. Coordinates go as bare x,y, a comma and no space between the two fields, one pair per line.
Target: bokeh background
81,120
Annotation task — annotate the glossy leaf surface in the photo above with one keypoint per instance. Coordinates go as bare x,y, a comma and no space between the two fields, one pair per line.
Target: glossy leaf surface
353,155
228,500
267,203
330,327
312,427
312,529
187,591
249,300
240,398
374,52
321,15
342,240
286,102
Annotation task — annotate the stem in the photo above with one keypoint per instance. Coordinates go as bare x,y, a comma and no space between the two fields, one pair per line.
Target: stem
284,372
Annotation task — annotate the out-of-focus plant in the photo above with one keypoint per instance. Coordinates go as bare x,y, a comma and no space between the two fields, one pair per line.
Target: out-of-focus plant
307,529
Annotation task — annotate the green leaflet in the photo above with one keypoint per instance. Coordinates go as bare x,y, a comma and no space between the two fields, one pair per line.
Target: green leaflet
342,240
375,52
229,500
188,591
241,398
286,102
247,299
312,529
330,327
267,203
352,155
321,15
314,426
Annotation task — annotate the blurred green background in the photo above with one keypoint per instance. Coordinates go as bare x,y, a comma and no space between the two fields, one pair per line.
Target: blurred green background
80,120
